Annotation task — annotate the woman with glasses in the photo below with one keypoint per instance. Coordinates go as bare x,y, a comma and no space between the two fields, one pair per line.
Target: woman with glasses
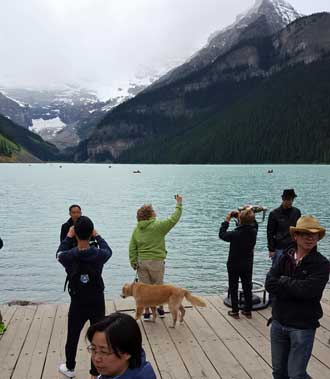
116,348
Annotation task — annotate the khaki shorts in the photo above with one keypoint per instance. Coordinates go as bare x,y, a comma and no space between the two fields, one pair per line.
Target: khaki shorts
151,271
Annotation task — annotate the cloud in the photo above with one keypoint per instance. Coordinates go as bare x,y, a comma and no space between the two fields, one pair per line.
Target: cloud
104,42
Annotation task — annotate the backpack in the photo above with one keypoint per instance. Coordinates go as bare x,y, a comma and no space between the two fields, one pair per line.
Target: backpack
84,281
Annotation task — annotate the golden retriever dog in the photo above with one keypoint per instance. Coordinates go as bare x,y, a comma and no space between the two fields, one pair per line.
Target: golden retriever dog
151,295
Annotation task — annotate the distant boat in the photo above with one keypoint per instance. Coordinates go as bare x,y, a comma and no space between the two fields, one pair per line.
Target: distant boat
109,166
136,172
270,171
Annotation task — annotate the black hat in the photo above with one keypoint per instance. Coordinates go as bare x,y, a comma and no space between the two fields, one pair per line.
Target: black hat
289,194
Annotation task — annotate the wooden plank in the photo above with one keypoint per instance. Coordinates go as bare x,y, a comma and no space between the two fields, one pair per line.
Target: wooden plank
190,351
326,308
109,307
7,314
168,359
226,365
127,304
323,335
56,354
246,330
31,360
326,296
249,359
13,339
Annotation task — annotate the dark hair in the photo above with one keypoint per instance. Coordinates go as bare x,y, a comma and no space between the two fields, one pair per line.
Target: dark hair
84,228
123,335
74,206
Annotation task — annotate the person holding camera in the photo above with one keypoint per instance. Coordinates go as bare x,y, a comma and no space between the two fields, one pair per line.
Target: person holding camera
240,259
147,251
83,264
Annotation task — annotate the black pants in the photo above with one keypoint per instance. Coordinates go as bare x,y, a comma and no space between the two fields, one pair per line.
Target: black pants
245,274
78,315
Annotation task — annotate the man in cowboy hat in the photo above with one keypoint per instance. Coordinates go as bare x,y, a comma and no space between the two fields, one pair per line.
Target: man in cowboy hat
297,280
279,222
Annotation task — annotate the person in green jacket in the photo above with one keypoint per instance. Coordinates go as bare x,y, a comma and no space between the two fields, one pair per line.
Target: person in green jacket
147,250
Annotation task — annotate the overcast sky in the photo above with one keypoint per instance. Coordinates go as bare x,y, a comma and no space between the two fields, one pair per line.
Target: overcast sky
105,43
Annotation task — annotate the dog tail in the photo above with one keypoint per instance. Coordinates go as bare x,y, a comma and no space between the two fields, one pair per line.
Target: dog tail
194,300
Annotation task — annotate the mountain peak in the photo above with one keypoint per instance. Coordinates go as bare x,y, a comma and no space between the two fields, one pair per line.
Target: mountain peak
265,17
284,9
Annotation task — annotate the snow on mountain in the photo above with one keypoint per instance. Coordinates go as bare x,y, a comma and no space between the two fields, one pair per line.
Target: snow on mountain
286,11
52,126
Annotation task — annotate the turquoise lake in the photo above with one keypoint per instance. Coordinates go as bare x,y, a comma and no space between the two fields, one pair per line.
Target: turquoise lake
35,200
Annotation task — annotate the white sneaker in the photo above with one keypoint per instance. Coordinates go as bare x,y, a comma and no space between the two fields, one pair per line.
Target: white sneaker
65,371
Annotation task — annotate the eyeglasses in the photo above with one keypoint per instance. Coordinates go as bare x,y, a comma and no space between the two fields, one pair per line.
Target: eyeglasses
308,235
92,350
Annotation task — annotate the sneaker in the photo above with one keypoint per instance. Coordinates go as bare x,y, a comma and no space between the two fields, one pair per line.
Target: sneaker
161,312
247,314
146,317
2,328
233,314
65,371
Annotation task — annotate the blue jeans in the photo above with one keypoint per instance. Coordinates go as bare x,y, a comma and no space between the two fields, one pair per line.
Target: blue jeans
291,351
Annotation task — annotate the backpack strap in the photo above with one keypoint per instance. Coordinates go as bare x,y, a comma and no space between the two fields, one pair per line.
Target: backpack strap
75,264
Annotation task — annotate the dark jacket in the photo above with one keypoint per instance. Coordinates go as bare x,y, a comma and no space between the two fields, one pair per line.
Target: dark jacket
278,227
145,371
95,257
242,241
298,289
65,229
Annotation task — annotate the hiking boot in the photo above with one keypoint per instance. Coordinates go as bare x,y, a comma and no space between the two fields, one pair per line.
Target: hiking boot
146,317
161,312
65,371
233,314
2,328
247,314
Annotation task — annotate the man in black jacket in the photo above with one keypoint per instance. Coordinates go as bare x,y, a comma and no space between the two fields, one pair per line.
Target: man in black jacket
297,281
75,213
240,259
83,265
279,222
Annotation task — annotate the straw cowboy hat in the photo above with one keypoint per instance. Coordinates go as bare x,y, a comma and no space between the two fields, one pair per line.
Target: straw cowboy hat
308,224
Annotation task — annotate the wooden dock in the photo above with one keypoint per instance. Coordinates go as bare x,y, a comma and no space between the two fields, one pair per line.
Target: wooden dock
208,345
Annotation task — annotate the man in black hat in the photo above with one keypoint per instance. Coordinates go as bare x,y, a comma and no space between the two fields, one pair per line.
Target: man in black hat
279,222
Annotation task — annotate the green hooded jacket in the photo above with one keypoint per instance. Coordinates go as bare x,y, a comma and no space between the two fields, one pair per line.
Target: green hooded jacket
148,238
